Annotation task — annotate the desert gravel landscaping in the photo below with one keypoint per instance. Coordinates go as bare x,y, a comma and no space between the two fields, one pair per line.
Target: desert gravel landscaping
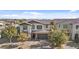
42,44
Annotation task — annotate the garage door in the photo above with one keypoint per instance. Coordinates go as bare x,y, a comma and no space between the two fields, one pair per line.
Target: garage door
42,36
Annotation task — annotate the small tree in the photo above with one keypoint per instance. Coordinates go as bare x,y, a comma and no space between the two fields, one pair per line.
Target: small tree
57,37
9,33
53,25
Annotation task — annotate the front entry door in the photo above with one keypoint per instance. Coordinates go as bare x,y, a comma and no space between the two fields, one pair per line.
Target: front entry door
76,38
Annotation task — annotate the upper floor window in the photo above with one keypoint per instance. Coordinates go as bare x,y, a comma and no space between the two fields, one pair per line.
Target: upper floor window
39,26
65,26
46,26
77,26
25,27
33,26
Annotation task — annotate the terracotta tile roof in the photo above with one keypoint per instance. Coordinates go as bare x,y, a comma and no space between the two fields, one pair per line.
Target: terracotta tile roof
25,23
72,21
41,21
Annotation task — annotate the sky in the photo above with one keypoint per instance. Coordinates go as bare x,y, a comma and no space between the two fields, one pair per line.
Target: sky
38,14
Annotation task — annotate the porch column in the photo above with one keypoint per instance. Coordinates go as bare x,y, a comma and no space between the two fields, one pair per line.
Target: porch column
35,27
73,32
21,28
35,36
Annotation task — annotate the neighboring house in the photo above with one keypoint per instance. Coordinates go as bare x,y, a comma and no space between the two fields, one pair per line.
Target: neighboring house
71,25
2,26
75,29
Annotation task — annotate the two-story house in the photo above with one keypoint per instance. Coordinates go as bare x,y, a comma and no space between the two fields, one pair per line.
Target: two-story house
38,29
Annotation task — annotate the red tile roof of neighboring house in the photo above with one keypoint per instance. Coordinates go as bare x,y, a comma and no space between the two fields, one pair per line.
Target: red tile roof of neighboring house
72,21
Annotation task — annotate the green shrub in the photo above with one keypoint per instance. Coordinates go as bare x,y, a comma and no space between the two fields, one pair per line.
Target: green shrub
22,36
